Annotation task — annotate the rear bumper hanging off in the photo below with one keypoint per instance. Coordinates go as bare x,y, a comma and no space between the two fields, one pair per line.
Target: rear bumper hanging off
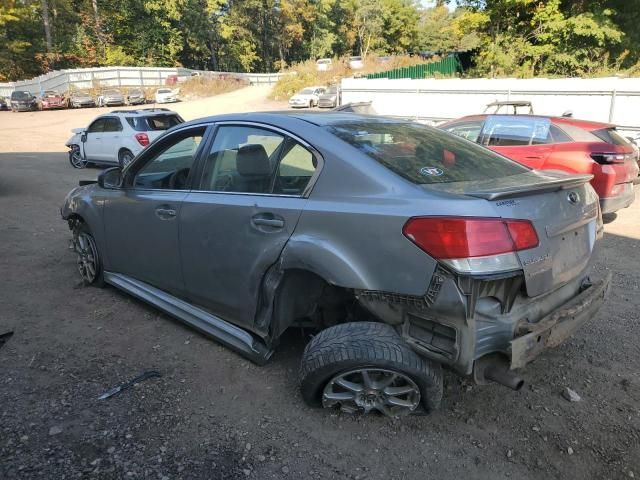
559,325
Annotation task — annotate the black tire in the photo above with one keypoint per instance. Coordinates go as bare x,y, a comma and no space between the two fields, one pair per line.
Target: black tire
76,160
350,346
84,241
124,157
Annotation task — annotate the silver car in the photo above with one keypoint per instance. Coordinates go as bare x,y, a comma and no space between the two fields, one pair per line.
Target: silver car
405,247
110,98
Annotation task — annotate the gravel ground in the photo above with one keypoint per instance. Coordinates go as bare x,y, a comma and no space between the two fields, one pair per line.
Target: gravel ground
213,415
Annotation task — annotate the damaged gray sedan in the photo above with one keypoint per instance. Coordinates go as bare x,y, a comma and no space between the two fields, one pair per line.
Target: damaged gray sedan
406,248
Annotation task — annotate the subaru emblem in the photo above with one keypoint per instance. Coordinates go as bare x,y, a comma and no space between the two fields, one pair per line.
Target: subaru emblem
573,198
431,171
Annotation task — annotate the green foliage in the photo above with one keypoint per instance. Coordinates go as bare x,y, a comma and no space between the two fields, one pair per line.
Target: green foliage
507,37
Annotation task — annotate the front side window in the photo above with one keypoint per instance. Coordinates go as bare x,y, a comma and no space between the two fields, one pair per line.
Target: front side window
97,126
246,159
424,155
468,130
169,166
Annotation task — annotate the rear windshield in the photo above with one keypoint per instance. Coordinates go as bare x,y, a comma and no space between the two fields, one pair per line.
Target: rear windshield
331,90
20,95
154,122
611,135
424,155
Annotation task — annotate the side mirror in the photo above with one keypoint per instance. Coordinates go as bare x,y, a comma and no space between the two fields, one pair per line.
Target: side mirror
111,178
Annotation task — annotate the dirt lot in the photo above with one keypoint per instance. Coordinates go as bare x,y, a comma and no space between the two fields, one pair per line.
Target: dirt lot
213,415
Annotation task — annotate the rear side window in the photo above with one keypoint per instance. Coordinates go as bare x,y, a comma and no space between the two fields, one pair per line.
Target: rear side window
155,122
512,131
424,155
611,135
468,130
112,124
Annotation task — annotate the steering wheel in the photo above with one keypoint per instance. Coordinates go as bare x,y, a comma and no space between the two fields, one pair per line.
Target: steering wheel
178,179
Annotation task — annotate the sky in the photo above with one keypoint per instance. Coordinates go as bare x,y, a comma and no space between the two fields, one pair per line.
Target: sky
431,3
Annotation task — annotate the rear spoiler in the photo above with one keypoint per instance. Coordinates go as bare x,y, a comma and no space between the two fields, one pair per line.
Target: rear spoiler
542,184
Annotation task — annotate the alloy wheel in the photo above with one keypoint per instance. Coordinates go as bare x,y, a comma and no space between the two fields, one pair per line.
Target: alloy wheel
76,159
367,389
87,261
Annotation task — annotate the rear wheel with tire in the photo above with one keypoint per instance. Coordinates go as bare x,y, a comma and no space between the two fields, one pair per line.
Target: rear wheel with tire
89,261
124,158
366,367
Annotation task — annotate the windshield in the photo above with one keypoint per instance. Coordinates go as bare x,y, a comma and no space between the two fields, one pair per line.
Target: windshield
323,62
112,92
154,122
331,91
306,91
81,93
424,155
355,59
164,90
20,95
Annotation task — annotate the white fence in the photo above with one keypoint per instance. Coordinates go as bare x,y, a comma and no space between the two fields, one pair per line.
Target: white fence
66,80
615,100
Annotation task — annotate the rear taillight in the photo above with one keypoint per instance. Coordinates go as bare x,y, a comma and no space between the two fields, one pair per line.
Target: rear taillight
472,244
143,139
608,158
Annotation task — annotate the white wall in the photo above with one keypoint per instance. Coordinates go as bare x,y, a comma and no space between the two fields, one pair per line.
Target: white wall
604,99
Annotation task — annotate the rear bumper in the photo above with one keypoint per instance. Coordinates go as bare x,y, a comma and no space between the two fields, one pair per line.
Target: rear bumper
559,325
612,204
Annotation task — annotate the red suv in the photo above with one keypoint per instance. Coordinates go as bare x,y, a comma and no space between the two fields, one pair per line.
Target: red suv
559,143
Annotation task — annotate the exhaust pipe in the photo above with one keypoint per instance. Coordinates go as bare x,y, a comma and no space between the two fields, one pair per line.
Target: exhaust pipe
497,373
495,368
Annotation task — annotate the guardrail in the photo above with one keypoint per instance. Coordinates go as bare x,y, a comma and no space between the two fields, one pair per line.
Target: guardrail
86,78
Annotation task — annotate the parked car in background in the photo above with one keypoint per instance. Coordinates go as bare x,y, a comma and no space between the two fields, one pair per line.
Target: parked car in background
355,63
514,107
307,97
324,64
23,101
329,99
115,138
136,96
50,100
4,103
404,247
81,99
111,98
166,95
560,143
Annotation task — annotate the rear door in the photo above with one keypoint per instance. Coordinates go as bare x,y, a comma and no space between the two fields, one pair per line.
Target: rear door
253,187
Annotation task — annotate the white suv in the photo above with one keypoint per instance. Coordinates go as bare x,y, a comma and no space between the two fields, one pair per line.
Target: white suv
117,137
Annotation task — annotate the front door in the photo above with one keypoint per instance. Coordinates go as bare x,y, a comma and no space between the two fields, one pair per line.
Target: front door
111,139
234,225
141,221
93,143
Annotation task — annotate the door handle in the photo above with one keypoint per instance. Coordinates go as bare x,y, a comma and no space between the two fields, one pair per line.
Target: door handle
269,222
165,213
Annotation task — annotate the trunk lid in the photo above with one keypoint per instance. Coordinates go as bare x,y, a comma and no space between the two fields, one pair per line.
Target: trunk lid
564,210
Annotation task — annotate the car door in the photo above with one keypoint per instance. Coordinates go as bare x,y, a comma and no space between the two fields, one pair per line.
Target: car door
111,139
253,187
141,221
93,142
525,139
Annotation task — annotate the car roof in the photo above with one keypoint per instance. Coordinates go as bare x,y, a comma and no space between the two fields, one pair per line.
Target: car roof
142,112
584,124
515,103
321,119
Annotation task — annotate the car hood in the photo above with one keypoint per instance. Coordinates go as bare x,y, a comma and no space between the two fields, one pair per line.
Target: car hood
81,98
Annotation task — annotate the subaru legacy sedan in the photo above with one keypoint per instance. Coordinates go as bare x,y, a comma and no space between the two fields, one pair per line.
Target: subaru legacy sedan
405,247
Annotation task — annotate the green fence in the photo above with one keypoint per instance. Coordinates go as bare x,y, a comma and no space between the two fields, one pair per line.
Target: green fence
447,67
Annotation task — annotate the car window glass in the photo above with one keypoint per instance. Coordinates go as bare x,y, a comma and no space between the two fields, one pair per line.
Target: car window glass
242,159
424,155
558,135
169,167
468,130
507,131
97,126
295,170
112,125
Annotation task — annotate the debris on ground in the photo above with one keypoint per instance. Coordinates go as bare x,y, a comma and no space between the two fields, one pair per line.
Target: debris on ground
570,395
140,378
4,337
